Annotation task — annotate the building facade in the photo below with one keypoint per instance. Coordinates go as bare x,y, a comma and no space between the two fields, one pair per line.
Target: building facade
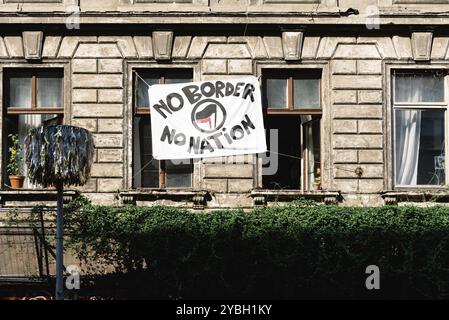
355,95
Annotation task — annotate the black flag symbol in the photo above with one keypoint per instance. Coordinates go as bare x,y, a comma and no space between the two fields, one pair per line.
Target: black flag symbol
205,116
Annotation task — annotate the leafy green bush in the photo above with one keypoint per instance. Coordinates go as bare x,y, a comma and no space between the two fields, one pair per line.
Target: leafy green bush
303,250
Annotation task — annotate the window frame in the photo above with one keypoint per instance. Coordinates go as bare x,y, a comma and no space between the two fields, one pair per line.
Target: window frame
33,75
293,73
145,111
6,67
441,106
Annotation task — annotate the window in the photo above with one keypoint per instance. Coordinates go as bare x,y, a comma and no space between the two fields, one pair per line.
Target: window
293,116
32,98
148,172
419,116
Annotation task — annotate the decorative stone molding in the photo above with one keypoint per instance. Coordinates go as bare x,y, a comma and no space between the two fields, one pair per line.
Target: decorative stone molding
32,44
261,196
128,199
331,200
430,196
390,201
199,201
292,43
163,45
422,45
270,47
260,202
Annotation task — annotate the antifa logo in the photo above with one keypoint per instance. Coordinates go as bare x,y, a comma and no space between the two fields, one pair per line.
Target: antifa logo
208,116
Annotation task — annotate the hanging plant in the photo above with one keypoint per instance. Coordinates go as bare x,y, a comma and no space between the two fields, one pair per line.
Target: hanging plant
59,154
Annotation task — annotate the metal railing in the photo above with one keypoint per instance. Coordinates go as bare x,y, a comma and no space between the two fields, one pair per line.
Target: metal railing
25,250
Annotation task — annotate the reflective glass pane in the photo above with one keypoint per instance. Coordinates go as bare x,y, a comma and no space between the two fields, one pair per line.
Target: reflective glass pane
277,93
177,80
20,92
420,87
179,173
307,94
420,147
142,91
146,169
49,93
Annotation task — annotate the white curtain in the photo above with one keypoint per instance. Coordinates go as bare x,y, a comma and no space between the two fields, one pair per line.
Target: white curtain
408,136
408,126
311,156
307,124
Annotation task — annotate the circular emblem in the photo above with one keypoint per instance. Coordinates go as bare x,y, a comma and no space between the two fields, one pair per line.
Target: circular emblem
208,116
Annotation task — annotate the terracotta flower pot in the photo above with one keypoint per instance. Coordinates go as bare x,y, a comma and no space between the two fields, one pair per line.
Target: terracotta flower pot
16,182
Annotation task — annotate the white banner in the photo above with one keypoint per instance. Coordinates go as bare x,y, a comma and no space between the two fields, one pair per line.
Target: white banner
207,119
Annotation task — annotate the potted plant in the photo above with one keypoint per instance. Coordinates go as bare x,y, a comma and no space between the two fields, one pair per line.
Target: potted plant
14,167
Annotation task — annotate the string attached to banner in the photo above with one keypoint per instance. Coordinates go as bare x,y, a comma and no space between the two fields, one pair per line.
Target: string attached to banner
143,80
270,151
143,168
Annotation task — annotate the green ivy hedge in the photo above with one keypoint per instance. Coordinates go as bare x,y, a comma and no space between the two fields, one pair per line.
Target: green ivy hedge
301,251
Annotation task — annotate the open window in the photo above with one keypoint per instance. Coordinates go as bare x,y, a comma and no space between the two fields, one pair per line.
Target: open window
420,121
33,97
148,172
292,112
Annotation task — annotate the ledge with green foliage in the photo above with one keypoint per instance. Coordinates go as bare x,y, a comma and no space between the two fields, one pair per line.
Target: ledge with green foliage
303,250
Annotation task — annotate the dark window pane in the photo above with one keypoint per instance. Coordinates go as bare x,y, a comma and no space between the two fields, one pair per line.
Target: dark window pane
177,80
155,77
179,173
142,91
145,168
420,147
284,141
307,93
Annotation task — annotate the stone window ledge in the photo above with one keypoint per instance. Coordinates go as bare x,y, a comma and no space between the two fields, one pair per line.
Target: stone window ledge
397,196
262,196
197,197
25,195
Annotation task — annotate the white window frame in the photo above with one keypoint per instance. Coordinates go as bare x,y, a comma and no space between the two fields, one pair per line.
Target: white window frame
442,106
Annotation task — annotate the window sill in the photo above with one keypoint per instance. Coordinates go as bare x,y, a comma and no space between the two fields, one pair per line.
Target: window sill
437,195
32,195
197,197
262,196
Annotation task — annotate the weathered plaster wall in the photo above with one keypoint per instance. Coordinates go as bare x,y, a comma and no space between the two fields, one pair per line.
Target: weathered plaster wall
355,127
